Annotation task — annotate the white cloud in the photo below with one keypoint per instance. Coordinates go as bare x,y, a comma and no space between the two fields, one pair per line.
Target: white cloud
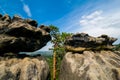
91,20
27,9
98,23
93,15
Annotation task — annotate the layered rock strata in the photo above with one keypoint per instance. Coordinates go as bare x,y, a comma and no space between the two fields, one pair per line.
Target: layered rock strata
82,41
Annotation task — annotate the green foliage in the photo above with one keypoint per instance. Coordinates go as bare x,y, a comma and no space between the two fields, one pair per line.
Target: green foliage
58,40
117,47
55,34
50,62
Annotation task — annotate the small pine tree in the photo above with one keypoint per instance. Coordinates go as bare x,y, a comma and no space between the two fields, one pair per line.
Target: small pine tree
58,40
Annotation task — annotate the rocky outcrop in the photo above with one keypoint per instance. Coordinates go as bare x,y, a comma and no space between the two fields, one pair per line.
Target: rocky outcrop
24,67
82,41
90,63
21,35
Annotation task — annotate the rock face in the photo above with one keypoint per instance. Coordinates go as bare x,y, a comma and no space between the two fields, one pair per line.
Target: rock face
24,68
21,35
92,63
103,65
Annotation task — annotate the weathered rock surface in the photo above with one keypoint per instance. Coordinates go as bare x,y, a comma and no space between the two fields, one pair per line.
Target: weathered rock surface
82,41
90,58
99,65
24,68
21,35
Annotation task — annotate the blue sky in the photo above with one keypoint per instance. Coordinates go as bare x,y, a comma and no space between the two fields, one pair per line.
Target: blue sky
95,17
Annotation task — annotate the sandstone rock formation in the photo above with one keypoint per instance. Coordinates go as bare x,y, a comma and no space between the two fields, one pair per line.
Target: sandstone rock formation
21,35
90,63
24,68
82,41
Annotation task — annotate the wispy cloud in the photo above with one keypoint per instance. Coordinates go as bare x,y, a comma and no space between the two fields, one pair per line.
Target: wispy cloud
99,22
26,8
94,23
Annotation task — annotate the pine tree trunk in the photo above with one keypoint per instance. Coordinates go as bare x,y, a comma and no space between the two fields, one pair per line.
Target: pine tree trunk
54,66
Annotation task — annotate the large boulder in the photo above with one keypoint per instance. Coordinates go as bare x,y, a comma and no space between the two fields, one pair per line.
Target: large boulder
90,65
90,58
23,67
21,35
